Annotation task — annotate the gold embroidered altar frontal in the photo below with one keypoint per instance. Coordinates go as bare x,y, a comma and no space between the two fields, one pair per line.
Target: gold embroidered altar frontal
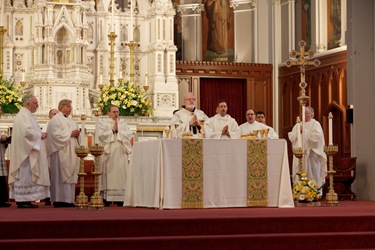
192,173
257,186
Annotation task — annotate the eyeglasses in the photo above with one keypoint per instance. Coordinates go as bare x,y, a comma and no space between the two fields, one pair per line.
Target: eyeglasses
190,99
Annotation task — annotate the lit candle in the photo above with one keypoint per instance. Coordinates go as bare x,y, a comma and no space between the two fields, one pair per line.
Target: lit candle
23,75
101,78
330,140
112,17
146,79
96,128
131,21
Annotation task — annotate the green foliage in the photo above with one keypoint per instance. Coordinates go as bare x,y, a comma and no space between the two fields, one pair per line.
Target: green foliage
10,96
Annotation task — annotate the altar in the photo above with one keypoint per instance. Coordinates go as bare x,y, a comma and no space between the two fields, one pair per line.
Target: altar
154,177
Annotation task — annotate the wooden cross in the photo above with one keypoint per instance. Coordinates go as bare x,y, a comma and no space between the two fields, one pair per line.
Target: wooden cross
302,62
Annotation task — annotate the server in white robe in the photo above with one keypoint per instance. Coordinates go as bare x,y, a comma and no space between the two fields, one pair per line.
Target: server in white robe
251,125
222,125
187,121
28,172
315,165
115,135
63,138
261,117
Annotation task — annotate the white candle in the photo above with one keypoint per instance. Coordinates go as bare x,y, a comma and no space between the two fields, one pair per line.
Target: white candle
146,79
299,136
83,130
2,13
101,78
120,74
131,21
303,114
112,16
23,75
96,130
330,140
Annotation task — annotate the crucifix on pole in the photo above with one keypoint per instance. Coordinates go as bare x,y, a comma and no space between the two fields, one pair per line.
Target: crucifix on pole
302,62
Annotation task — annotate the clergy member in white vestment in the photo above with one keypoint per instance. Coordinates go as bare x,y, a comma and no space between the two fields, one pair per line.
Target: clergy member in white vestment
251,124
187,119
222,125
28,174
260,116
63,138
115,136
313,141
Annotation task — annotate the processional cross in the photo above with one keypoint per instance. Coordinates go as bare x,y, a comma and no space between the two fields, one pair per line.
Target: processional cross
302,62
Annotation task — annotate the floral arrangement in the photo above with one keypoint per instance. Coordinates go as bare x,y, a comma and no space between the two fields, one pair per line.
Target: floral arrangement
10,96
130,98
306,190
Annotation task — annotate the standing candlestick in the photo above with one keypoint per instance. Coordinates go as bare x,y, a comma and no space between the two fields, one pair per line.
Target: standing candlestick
82,200
331,196
330,117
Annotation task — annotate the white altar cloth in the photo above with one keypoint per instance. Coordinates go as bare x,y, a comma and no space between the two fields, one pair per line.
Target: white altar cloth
154,177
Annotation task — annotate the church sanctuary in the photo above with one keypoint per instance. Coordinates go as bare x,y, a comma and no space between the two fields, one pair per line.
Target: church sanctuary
187,79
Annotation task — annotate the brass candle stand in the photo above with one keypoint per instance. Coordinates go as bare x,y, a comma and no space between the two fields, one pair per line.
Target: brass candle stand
331,196
96,200
298,153
82,200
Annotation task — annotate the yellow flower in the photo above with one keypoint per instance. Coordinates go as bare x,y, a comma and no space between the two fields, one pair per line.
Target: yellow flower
129,97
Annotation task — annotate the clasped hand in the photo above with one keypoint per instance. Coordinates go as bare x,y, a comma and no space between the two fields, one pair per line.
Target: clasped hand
193,121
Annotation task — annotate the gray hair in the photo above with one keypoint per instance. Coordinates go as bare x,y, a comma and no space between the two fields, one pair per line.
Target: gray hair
27,99
311,110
